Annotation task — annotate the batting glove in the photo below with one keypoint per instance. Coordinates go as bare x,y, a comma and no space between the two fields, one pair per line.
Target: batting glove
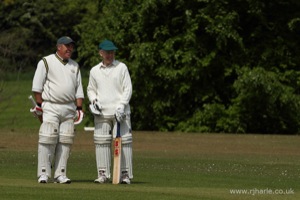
37,111
79,116
120,113
96,107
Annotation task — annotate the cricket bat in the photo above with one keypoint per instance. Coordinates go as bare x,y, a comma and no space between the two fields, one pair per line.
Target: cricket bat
117,156
34,104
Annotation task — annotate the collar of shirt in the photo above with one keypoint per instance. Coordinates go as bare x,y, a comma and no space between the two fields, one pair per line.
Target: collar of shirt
104,66
61,60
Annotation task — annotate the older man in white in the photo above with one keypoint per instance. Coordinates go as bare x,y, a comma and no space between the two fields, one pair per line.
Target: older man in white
109,91
59,95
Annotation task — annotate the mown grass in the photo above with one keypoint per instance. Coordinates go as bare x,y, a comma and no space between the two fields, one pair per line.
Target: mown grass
166,166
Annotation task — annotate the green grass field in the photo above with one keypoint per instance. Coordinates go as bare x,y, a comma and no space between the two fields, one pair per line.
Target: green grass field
166,166
175,166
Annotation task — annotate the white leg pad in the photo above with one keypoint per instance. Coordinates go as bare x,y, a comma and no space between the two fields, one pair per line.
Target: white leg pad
61,159
103,159
48,133
45,156
67,132
126,160
102,140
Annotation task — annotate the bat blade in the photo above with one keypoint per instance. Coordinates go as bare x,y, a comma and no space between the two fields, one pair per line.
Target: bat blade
117,156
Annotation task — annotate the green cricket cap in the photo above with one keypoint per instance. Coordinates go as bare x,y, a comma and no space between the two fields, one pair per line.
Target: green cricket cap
107,45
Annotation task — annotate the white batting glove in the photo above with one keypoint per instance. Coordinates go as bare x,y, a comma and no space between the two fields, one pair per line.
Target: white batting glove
120,113
96,107
37,111
79,116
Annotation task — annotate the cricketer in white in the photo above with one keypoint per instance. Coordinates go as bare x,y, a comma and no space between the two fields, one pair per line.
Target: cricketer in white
58,91
109,91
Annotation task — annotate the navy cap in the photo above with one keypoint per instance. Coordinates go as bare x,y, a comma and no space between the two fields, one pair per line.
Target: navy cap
107,45
65,40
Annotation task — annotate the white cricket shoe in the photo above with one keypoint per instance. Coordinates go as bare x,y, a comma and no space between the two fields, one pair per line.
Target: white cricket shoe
43,179
62,179
102,178
125,178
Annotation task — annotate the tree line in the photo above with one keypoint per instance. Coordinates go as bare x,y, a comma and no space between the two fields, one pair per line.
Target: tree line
228,66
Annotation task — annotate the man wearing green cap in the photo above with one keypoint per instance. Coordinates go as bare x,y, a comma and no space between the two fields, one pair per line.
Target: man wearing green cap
109,91
58,92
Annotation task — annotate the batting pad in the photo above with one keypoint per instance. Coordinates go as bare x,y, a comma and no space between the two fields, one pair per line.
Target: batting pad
126,160
48,133
102,140
103,158
61,159
67,133
45,156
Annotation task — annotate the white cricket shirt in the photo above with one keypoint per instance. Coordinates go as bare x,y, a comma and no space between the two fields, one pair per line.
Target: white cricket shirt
111,86
61,84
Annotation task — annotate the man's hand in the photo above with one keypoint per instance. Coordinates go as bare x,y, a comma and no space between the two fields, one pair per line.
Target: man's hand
120,113
96,107
79,116
37,111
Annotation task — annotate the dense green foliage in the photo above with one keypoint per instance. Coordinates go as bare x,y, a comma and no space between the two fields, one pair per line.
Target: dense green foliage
196,66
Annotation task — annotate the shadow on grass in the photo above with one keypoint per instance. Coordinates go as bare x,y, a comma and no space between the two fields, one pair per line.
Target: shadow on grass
92,181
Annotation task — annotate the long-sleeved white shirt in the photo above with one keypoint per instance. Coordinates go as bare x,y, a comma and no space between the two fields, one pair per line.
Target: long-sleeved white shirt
61,84
111,86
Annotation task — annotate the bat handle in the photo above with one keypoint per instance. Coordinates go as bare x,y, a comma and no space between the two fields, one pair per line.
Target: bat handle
34,104
32,101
